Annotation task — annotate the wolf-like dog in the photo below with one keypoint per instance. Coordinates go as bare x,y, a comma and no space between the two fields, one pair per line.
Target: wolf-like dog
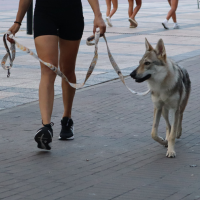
170,88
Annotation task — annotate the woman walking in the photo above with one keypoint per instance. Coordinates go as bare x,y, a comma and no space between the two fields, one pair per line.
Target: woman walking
58,27
171,13
109,12
132,13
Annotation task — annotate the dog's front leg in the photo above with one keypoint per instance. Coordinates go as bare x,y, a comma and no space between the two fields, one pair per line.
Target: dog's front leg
154,132
171,139
165,114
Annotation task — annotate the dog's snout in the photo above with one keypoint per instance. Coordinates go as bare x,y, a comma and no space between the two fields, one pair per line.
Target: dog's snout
133,74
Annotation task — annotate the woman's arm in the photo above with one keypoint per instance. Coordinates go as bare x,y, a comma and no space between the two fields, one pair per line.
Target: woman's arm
23,7
98,21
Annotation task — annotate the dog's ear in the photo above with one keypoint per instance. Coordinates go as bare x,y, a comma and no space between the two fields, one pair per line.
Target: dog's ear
160,50
148,46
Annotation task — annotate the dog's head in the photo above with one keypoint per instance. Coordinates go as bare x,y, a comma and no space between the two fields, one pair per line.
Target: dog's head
152,63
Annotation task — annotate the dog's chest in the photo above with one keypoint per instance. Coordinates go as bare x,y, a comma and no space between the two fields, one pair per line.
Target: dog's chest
159,97
164,99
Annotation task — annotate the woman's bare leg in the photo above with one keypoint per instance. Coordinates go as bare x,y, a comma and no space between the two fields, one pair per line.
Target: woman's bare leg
137,8
130,7
47,50
68,54
108,3
115,6
172,12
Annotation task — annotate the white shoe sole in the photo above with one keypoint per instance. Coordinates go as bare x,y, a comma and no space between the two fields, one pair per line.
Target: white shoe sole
109,24
70,138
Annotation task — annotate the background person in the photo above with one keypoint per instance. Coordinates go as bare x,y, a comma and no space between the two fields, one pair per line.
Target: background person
132,13
109,12
54,27
171,13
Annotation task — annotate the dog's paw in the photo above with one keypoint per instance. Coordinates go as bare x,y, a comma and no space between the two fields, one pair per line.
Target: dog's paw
163,141
171,154
179,133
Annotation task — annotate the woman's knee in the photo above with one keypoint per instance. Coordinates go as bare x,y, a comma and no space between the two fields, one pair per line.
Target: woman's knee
115,8
173,9
47,74
69,73
108,8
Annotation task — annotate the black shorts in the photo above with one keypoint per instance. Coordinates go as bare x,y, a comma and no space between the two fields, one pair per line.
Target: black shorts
63,18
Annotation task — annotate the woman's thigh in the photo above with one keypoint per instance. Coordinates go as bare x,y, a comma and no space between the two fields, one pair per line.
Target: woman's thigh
47,50
68,54
138,2
174,4
115,3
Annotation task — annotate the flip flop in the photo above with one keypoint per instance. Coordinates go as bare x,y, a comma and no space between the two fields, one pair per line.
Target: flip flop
133,22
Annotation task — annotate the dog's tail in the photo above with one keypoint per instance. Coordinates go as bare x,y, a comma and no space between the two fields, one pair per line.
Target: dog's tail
186,80
187,85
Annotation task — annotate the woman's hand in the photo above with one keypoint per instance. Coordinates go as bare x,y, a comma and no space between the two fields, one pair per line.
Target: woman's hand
13,29
99,23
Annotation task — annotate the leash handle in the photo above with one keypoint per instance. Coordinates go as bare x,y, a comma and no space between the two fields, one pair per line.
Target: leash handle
10,53
91,38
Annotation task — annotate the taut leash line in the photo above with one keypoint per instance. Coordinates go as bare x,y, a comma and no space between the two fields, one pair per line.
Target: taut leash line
115,66
11,55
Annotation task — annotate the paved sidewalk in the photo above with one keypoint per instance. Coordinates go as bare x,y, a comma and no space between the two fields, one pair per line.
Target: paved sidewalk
113,156
127,46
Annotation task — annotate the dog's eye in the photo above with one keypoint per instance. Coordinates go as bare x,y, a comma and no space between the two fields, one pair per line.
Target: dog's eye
147,63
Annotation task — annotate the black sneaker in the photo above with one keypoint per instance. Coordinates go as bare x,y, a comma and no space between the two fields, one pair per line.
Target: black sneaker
44,136
67,131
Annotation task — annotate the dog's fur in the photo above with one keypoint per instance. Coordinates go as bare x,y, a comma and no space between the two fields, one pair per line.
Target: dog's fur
170,89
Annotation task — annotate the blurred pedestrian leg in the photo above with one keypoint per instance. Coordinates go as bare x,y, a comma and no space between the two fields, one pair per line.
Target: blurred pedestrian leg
109,12
133,12
171,13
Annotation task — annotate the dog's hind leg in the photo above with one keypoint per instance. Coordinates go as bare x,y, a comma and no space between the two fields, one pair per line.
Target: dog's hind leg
165,114
172,136
182,108
179,128
154,132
